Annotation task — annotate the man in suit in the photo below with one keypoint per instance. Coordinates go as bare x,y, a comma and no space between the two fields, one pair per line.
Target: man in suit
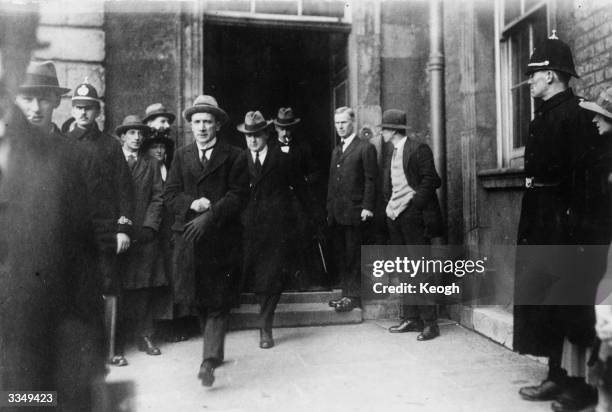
413,212
207,189
267,219
141,271
350,204
306,269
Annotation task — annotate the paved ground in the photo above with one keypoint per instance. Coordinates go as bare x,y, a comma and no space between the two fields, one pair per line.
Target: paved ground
336,369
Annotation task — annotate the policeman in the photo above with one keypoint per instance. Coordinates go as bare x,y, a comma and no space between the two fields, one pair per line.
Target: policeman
556,138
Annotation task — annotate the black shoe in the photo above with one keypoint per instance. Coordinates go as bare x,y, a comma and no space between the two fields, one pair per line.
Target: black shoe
347,304
548,390
207,374
265,339
575,398
407,326
145,344
334,302
118,360
429,332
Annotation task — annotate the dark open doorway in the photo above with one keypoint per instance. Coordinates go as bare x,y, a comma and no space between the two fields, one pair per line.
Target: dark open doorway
265,67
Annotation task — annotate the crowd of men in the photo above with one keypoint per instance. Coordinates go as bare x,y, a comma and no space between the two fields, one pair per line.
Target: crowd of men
99,221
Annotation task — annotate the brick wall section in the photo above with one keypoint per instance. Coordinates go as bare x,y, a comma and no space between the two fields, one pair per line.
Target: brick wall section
591,41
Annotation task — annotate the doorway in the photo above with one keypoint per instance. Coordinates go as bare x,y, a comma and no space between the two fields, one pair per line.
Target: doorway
264,67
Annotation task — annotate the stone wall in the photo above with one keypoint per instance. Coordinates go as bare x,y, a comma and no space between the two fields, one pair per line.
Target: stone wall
75,36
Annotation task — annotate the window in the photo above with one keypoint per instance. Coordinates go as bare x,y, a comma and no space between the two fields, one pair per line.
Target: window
520,24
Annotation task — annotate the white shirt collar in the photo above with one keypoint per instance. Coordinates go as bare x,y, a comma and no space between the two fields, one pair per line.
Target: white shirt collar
348,141
399,144
207,145
262,154
128,154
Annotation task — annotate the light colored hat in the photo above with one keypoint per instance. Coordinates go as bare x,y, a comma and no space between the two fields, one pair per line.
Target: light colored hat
158,109
206,104
253,123
132,121
603,104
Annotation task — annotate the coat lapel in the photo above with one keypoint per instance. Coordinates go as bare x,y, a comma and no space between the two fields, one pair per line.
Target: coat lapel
139,168
268,165
217,158
349,149
192,159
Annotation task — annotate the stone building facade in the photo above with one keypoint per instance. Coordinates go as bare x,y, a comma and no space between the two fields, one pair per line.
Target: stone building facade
370,54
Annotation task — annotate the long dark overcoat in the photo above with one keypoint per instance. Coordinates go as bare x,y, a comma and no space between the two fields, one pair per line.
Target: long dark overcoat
558,136
267,221
51,292
142,267
208,272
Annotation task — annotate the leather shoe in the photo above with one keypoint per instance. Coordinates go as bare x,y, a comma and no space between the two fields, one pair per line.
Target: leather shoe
207,374
575,398
548,390
146,345
429,332
265,339
407,326
118,360
334,302
347,304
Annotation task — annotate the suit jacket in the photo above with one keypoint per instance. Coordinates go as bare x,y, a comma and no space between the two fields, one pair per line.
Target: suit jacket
141,266
268,219
420,171
213,263
352,182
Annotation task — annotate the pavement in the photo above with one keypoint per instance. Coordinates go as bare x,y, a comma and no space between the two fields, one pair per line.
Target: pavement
359,367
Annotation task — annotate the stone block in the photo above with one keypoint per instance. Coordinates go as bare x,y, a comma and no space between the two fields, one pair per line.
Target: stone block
400,41
70,74
77,44
72,13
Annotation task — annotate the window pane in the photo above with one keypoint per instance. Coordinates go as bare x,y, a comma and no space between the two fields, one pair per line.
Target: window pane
521,116
512,10
330,8
520,55
227,5
276,6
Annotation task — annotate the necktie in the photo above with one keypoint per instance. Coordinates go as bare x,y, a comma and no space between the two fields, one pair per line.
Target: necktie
204,159
394,154
342,143
131,161
257,163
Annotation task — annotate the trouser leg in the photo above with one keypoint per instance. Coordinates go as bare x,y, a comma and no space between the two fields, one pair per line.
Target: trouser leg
213,323
555,371
352,245
267,305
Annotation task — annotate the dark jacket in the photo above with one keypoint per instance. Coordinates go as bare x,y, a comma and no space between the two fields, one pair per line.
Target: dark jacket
558,138
116,197
141,266
422,177
268,218
209,270
50,289
352,182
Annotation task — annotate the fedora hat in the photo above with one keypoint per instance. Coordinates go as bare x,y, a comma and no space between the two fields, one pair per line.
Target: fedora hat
552,54
253,123
286,117
85,93
158,109
42,76
393,119
205,104
132,121
603,104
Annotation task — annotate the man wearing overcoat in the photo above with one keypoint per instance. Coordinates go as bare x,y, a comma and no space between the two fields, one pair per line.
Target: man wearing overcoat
413,212
558,136
351,199
207,189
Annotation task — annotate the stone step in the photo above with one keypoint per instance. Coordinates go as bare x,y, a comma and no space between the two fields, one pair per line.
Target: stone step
297,297
294,314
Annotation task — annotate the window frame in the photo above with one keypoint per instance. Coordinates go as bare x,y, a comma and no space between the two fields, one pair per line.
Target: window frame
509,156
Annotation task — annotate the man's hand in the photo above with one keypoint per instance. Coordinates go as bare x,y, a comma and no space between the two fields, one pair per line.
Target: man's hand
195,228
123,242
366,214
200,205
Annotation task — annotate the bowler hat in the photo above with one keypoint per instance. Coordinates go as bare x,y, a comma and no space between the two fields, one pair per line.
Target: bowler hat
205,104
552,54
603,104
253,123
85,93
393,119
158,109
42,76
286,117
132,121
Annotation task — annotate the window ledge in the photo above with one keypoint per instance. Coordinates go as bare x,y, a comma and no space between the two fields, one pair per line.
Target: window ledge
495,179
